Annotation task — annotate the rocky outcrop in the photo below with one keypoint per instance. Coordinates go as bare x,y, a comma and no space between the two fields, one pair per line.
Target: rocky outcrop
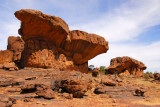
6,56
49,43
15,44
6,60
156,76
10,58
76,85
126,64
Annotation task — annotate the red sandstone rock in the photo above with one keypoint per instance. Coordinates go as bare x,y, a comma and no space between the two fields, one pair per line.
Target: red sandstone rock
121,64
15,44
35,24
49,43
156,76
84,46
39,53
76,85
95,72
108,82
6,56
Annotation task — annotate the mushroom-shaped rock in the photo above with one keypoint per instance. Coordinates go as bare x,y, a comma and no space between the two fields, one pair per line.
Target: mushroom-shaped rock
49,43
123,64
84,46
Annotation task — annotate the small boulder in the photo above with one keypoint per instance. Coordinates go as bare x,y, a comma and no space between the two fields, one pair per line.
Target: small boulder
100,90
46,93
108,82
95,72
139,92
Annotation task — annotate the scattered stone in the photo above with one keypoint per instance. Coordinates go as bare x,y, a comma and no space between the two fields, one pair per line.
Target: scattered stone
28,100
100,90
156,76
67,96
14,89
139,92
76,85
46,93
108,82
95,72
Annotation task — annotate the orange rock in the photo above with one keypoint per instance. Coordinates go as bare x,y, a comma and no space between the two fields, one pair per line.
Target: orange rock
49,43
126,64
6,56
15,44
84,46
125,73
35,24
39,53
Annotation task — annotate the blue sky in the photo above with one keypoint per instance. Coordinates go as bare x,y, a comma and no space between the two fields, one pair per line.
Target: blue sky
132,27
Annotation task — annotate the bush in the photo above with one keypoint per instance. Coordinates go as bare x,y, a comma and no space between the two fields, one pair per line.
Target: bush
148,72
102,68
146,76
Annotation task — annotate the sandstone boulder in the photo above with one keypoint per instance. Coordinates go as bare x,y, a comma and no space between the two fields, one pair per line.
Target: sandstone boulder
45,92
6,56
15,44
125,64
95,72
108,82
156,76
76,85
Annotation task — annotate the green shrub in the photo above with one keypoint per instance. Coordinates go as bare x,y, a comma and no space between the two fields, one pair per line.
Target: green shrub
146,76
148,72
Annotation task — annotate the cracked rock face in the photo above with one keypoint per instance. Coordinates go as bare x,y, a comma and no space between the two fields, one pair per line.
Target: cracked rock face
50,43
126,64
16,45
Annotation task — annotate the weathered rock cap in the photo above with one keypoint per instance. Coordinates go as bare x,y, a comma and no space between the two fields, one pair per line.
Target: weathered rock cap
35,24
83,46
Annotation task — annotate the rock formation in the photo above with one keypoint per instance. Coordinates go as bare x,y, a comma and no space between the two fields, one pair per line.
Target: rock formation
6,56
16,45
50,43
126,64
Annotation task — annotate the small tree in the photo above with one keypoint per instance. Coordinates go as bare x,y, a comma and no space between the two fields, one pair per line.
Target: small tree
102,68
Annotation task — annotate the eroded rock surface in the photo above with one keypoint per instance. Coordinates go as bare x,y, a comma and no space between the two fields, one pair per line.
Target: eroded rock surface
50,43
6,56
16,45
124,65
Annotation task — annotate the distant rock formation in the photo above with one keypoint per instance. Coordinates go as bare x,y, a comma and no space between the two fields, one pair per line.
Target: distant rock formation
10,58
124,65
47,42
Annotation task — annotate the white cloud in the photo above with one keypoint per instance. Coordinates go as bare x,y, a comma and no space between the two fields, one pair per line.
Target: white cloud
125,22
8,29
